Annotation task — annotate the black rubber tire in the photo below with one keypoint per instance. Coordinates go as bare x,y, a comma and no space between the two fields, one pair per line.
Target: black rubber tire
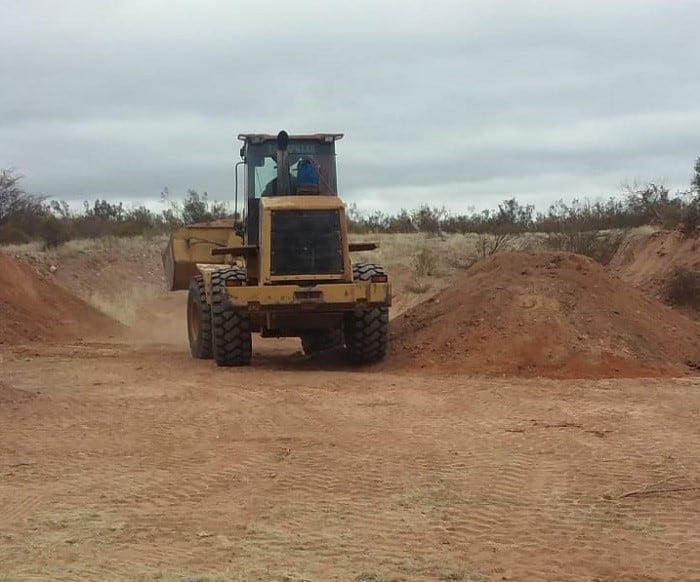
367,330
322,340
231,337
365,271
198,320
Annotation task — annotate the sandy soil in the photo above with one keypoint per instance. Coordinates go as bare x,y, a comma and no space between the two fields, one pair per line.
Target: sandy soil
124,459
132,461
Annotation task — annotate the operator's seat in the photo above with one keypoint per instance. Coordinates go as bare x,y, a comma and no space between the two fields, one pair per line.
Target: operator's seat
307,177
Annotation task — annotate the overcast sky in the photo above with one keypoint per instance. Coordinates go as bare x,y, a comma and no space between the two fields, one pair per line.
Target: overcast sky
461,103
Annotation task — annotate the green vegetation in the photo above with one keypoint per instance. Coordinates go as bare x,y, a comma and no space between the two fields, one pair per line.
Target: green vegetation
683,288
571,226
25,217
649,205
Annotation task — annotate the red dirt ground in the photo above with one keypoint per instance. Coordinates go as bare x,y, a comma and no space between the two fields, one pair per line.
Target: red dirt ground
555,315
128,460
35,308
120,462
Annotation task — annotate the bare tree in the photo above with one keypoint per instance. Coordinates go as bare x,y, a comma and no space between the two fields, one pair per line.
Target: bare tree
491,243
13,199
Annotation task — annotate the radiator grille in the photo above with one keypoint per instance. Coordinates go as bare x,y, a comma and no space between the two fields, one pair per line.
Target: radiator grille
306,242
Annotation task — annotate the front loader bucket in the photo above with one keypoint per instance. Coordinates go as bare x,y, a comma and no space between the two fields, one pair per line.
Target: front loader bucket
191,246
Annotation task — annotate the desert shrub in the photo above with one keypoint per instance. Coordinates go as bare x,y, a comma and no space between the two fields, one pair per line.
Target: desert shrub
683,288
690,220
417,288
14,201
427,219
581,243
196,207
12,235
600,247
54,232
489,244
653,204
127,228
426,262
571,222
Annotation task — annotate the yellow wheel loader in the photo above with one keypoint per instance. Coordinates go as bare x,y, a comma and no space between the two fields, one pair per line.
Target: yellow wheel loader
284,269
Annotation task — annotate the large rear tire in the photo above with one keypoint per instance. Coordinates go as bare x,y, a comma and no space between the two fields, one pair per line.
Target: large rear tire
231,337
322,340
198,321
367,330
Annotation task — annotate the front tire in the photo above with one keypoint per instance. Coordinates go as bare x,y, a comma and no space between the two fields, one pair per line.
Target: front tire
198,321
367,330
231,337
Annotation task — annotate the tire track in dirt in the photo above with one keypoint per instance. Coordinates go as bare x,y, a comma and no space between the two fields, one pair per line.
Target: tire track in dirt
328,474
506,484
17,506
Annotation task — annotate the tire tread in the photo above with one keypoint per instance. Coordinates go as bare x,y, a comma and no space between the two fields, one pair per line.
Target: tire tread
367,331
231,335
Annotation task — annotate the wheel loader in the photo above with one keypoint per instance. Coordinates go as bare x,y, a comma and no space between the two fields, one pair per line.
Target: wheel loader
284,269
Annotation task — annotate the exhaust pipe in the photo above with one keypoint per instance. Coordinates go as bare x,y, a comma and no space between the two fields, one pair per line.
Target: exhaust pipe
284,185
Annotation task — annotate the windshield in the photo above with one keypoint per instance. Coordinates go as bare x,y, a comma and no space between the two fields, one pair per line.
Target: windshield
262,167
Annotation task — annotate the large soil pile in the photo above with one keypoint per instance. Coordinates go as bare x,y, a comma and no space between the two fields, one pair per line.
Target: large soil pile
550,314
34,308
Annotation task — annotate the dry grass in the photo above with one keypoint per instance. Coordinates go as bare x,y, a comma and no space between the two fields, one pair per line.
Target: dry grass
436,256
427,262
86,246
424,254
417,288
599,246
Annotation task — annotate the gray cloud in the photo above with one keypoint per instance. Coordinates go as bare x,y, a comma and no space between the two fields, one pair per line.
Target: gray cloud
452,103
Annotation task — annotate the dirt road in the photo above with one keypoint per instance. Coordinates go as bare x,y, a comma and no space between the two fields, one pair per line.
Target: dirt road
122,462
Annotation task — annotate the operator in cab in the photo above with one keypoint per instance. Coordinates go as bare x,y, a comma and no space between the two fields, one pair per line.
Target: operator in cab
306,180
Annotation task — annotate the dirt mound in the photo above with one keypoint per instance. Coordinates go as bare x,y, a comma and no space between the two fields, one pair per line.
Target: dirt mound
35,308
550,314
665,264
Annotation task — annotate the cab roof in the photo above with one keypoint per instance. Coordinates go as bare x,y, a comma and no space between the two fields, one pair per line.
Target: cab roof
264,137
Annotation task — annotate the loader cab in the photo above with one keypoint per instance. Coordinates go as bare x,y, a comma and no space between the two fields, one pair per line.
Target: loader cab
284,165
